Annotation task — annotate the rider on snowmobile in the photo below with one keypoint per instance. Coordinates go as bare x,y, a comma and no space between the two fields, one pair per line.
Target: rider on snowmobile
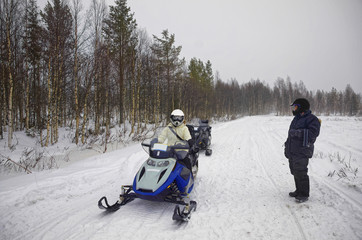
175,131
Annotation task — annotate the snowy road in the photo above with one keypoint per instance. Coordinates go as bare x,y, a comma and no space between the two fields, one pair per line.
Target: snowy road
241,190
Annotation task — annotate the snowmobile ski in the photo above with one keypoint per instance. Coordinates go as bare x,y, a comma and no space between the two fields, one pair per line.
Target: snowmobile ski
107,207
185,214
124,198
208,152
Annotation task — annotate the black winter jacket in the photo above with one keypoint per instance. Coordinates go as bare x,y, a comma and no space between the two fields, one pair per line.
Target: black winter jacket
302,134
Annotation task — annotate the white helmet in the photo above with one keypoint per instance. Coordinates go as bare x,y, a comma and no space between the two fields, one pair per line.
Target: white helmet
177,117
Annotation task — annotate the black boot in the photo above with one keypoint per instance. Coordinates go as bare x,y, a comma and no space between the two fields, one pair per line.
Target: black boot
293,194
301,199
302,183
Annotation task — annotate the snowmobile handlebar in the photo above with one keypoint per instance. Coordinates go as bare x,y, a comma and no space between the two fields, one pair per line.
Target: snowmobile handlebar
171,147
179,147
146,145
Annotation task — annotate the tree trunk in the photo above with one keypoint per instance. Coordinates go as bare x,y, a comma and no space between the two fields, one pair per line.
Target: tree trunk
85,106
3,103
49,105
38,104
76,83
121,90
85,111
11,88
107,103
138,111
27,100
158,100
27,78
133,98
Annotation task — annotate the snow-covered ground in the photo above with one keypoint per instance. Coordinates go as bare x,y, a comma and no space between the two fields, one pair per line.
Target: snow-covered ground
241,190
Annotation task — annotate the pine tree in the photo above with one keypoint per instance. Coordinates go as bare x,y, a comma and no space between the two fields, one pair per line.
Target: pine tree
168,64
120,33
32,45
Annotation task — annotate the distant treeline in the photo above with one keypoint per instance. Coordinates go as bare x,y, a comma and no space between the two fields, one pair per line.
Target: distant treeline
90,68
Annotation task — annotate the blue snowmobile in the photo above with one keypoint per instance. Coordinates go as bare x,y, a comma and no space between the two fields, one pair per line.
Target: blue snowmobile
162,177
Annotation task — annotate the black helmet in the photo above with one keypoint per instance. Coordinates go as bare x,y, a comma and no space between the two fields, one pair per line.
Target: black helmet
302,104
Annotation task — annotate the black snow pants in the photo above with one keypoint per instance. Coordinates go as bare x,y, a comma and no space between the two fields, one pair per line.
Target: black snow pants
299,169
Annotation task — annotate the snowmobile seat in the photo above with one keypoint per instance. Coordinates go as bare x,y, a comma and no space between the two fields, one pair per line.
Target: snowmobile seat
192,131
204,123
181,155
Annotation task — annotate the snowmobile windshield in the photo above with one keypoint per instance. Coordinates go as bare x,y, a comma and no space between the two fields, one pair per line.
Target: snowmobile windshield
174,145
177,150
181,149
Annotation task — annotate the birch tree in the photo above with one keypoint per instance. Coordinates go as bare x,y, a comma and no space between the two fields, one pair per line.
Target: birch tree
78,41
58,27
11,32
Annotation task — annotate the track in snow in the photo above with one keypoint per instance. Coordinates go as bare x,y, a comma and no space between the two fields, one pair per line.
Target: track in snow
241,190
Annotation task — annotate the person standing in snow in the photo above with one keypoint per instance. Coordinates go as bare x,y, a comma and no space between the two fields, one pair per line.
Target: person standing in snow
299,147
176,131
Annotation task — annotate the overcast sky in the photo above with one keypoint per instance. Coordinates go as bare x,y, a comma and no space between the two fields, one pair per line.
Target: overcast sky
316,41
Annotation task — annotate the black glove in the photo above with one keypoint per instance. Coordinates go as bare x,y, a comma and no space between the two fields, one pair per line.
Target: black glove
286,153
286,150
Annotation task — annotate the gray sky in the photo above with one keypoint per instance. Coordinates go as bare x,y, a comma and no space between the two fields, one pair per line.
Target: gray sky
316,41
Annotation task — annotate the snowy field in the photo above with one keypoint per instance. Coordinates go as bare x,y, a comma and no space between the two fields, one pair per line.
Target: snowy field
241,190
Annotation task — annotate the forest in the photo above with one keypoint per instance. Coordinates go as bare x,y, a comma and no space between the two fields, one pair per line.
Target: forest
93,69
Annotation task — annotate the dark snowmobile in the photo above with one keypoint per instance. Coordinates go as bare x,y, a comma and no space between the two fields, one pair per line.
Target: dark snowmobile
201,134
162,177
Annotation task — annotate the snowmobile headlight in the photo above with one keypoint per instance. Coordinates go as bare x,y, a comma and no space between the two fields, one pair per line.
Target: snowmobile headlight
163,164
151,162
